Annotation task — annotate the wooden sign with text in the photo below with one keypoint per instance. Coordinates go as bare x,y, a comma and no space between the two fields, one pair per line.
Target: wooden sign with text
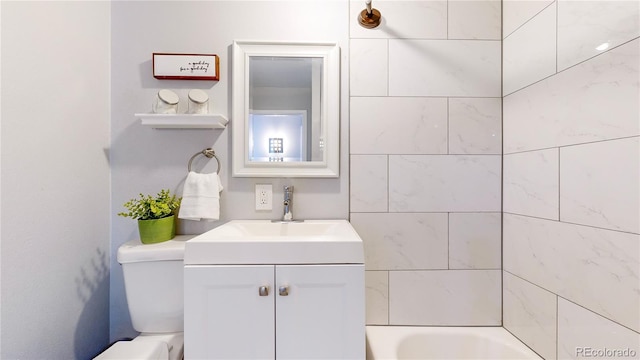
186,66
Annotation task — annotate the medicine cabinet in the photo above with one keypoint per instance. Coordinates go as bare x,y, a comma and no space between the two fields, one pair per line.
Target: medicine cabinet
286,109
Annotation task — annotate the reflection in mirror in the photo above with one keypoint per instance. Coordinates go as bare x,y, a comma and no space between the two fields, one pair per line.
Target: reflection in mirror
285,109
284,104
279,135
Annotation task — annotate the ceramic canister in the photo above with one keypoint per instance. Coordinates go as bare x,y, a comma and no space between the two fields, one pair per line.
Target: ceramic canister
165,102
198,102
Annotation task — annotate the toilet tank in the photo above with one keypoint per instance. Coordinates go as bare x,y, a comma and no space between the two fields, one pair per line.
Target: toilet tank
153,280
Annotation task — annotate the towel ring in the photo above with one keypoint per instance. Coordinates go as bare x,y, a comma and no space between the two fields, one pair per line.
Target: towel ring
208,152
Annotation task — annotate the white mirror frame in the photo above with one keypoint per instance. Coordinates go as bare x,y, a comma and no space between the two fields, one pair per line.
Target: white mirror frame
329,167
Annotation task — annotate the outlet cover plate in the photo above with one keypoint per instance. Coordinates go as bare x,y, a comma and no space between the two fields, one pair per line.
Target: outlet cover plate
264,197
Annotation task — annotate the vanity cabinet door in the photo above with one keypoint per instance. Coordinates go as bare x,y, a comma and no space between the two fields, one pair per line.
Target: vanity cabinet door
322,314
227,315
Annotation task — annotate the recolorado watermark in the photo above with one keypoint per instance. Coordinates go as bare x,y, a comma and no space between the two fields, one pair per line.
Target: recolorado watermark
589,352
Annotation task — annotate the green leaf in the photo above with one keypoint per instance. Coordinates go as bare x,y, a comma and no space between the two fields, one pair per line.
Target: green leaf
148,207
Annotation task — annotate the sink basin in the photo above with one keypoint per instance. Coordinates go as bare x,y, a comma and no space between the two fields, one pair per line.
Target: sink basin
266,242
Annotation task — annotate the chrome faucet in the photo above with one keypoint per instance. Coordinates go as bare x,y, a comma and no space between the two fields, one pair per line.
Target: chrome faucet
288,203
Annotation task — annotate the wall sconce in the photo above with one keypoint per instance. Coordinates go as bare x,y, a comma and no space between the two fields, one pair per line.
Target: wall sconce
276,149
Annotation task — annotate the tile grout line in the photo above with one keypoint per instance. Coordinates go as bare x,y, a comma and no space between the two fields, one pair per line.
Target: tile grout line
448,126
438,269
559,186
526,22
388,184
557,325
564,146
388,297
559,296
571,223
388,66
447,17
557,46
570,67
448,241
502,163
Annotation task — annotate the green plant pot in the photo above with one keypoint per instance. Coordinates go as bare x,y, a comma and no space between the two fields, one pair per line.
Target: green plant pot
157,230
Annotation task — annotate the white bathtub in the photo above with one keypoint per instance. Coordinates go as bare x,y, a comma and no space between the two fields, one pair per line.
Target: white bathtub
415,342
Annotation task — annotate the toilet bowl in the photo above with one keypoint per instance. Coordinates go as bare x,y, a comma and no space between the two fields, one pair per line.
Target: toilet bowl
153,280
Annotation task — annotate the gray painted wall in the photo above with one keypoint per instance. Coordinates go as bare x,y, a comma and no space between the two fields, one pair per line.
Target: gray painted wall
55,179
147,160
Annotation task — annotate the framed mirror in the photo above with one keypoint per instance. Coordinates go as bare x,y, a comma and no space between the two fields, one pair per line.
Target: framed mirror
286,109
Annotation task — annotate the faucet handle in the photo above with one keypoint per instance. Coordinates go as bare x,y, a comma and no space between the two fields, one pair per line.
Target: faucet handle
288,188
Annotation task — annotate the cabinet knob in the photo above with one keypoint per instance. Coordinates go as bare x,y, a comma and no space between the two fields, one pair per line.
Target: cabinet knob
283,290
263,291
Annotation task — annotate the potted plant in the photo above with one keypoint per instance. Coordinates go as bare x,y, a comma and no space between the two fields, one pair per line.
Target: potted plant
155,215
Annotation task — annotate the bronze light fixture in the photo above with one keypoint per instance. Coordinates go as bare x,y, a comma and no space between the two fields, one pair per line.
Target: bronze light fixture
369,17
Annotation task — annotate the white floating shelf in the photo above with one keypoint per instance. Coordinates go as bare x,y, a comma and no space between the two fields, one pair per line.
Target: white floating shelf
184,121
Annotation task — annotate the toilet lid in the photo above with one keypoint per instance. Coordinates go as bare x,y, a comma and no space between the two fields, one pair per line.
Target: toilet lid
147,350
135,251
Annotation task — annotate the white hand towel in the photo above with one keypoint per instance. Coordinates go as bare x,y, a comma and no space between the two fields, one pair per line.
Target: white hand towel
201,197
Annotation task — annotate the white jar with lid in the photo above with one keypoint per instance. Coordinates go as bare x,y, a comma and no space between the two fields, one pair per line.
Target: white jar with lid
198,102
165,102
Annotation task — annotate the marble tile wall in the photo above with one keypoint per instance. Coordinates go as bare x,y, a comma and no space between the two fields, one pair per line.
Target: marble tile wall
445,297
568,108
425,145
529,52
581,331
531,313
571,192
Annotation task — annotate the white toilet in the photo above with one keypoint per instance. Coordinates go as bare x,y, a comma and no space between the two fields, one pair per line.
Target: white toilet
153,280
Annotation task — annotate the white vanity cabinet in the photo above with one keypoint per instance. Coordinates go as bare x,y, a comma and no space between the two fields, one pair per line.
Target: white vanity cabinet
257,289
274,311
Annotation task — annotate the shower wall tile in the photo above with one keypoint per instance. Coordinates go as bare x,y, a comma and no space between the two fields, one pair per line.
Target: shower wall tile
475,126
403,241
576,106
599,184
579,328
583,26
475,241
377,297
444,68
571,219
445,297
425,132
437,183
368,61
531,183
403,19
595,268
530,52
395,125
530,314
475,19
515,13
368,190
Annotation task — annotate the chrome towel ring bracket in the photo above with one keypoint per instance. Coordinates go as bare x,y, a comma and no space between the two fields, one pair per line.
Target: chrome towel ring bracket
208,152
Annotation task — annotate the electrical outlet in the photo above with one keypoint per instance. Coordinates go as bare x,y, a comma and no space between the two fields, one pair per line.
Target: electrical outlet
264,197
